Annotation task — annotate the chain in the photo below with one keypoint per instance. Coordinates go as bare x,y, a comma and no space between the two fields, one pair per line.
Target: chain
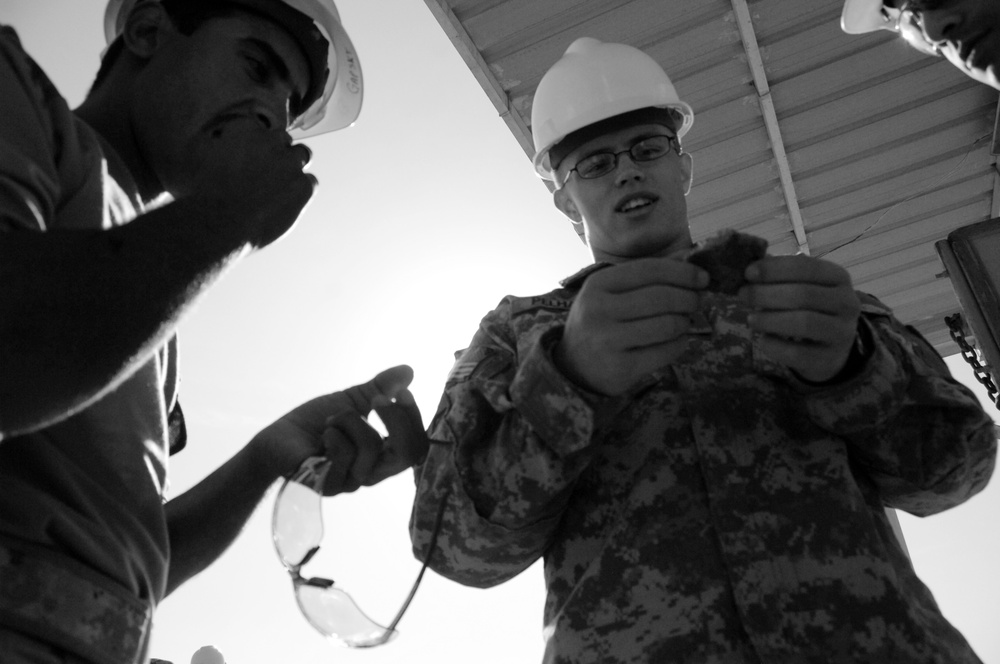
957,330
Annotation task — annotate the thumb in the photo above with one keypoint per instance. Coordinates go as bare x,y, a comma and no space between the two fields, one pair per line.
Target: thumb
393,380
388,384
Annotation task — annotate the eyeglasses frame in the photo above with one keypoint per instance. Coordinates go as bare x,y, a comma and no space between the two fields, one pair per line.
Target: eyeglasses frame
674,142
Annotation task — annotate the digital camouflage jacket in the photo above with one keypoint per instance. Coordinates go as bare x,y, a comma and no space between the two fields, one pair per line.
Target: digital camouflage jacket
722,512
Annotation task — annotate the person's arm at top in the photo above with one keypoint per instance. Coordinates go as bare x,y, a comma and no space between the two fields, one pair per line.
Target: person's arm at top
206,519
80,310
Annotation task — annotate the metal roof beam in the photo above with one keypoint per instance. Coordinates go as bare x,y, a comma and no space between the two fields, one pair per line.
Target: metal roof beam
749,37
463,43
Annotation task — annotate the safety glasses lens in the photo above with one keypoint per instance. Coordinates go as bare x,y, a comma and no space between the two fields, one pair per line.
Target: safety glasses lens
297,523
297,531
333,613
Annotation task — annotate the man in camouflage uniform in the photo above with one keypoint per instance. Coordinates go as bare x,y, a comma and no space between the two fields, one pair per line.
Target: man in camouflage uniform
704,474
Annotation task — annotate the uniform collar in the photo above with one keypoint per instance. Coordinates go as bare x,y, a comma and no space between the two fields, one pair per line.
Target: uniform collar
577,279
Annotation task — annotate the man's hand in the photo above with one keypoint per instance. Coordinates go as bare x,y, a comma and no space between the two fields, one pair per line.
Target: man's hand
628,321
806,311
252,176
336,425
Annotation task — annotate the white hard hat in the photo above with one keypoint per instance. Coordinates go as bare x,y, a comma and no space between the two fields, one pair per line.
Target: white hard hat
594,81
862,16
338,104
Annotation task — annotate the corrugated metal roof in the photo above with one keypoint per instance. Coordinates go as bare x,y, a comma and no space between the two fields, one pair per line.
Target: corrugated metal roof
874,150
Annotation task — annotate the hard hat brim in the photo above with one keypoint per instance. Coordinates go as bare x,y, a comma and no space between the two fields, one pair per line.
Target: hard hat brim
862,16
341,101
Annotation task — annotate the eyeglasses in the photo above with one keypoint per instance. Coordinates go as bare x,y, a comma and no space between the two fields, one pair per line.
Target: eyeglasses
297,530
601,163
910,25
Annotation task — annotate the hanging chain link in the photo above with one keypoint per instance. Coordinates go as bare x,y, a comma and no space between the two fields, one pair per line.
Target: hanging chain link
979,370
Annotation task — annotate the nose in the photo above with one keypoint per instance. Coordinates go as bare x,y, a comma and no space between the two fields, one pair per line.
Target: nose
941,25
273,112
628,170
267,119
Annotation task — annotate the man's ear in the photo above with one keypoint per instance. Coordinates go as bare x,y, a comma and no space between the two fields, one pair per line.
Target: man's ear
566,205
146,27
687,171
568,208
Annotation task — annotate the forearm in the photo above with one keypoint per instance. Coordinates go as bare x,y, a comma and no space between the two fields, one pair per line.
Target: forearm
470,549
79,310
930,458
518,428
922,437
938,448
205,520
511,446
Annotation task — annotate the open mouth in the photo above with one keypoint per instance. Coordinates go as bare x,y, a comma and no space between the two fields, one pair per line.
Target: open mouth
635,203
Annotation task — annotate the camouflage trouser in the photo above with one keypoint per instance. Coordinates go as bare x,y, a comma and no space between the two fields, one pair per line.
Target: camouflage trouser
65,607
16,648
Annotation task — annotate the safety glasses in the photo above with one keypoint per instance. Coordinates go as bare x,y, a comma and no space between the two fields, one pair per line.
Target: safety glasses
907,22
600,164
297,530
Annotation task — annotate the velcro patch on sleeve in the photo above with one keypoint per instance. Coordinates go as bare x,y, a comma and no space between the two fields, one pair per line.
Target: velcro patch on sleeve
522,304
466,364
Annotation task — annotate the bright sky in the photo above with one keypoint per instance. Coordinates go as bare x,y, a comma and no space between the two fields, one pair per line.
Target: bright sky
427,214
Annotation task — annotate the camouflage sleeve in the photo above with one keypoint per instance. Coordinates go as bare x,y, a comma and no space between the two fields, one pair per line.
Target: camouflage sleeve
917,433
510,437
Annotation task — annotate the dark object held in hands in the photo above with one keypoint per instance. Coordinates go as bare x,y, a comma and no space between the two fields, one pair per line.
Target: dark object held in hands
726,257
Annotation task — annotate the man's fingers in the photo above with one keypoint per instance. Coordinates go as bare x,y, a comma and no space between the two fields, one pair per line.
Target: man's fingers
654,331
400,416
387,383
303,154
406,443
365,442
645,272
797,269
804,296
805,325
392,380
653,301
341,452
809,360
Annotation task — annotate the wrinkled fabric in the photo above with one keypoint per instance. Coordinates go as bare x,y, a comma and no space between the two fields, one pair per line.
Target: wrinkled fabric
722,512
74,609
18,648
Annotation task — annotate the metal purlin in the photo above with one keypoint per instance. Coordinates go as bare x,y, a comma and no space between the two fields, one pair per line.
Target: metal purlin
749,37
